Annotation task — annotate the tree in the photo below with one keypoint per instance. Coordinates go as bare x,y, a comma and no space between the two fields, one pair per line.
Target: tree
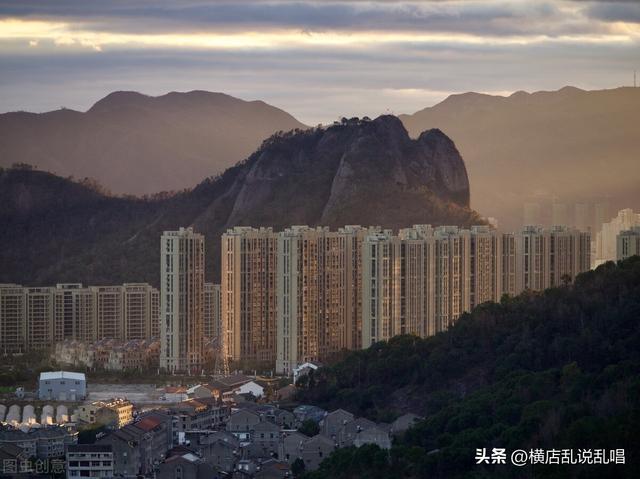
298,468
309,428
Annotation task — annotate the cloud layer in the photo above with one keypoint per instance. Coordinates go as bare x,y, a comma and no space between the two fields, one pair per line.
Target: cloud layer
318,60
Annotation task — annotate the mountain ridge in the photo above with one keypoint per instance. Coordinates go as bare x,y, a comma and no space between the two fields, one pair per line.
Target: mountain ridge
140,144
357,172
569,146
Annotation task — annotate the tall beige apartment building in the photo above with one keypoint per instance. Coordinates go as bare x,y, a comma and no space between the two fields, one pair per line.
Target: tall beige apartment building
182,300
212,310
45,315
318,273
109,308
12,324
485,265
550,257
628,243
140,310
248,285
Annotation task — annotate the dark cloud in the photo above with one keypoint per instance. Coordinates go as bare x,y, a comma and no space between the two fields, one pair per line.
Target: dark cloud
476,17
615,11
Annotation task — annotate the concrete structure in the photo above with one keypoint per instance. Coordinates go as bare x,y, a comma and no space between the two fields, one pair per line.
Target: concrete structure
606,237
248,276
251,387
114,414
182,300
62,386
550,257
35,318
212,310
89,460
318,293
139,447
628,243
12,319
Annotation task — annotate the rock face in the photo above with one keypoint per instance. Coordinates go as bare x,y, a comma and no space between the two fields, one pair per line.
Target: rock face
139,144
357,172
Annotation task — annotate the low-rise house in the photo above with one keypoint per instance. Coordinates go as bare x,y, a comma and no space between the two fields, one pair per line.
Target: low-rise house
303,370
17,438
218,448
241,423
199,414
51,441
200,391
373,435
404,422
334,421
186,465
286,393
115,413
252,387
283,418
316,450
272,469
223,388
139,447
62,386
308,412
265,438
347,433
290,446
89,460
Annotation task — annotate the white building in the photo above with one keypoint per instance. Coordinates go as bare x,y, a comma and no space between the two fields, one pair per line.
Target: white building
89,460
62,386
182,300
606,239
628,243
251,387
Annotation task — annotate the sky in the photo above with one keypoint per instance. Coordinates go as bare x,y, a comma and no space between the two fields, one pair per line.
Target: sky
319,60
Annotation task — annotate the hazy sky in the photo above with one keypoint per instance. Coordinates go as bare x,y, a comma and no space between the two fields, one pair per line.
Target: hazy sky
319,60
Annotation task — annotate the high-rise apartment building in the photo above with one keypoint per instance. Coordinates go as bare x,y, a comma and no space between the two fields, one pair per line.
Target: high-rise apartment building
628,243
140,311
248,277
73,312
318,273
12,319
109,311
606,238
39,318
485,265
212,310
550,257
181,300
46,315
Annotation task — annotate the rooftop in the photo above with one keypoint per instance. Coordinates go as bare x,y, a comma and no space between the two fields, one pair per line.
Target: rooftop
49,375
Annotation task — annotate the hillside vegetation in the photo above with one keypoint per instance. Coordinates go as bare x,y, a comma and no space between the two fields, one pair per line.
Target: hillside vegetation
55,230
555,370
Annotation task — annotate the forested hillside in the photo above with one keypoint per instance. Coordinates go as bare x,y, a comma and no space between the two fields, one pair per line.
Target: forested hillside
555,370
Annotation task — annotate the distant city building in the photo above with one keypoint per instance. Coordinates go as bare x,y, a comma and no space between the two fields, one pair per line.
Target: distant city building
606,238
628,243
62,386
182,300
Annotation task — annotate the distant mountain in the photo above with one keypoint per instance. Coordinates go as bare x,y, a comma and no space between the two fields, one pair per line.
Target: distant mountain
553,370
358,172
138,144
572,144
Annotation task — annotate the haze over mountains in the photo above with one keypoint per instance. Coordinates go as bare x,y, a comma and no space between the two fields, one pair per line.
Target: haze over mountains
358,172
138,144
571,144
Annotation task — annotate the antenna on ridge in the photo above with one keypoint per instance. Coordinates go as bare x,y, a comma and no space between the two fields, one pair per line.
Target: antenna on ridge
634,79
